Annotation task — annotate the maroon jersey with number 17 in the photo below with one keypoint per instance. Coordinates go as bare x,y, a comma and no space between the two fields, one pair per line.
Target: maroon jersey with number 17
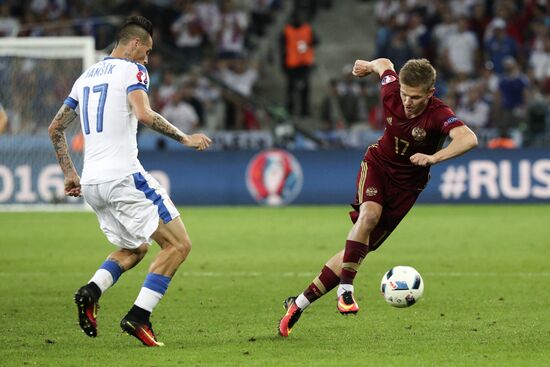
404,137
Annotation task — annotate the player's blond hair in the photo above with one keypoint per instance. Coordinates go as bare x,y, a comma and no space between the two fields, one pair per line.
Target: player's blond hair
418,73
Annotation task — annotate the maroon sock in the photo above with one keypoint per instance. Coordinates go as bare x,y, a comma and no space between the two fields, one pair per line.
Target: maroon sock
324,282
353,255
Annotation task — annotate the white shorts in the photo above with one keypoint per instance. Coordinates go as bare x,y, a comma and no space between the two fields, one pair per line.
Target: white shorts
129,209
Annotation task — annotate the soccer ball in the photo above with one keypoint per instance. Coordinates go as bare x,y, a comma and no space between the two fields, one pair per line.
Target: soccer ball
402,286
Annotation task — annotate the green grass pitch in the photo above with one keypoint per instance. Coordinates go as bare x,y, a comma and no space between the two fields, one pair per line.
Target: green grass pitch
486,299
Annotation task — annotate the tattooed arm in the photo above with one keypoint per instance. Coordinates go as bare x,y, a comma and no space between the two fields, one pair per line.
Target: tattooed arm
61,121
142,109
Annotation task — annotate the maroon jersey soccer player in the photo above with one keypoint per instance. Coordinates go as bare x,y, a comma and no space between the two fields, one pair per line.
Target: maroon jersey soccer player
392,174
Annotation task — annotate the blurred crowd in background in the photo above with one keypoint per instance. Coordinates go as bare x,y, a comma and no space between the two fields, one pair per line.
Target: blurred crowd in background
492,58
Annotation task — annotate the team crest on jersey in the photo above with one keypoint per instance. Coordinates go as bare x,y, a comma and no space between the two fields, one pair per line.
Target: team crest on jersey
388,79
371,191
142,77
419,134
388,120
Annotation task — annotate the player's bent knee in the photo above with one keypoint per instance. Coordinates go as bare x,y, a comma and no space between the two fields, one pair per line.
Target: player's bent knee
183,247
368,220
141,251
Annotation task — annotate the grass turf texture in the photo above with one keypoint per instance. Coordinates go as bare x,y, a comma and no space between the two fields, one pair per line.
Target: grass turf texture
485,303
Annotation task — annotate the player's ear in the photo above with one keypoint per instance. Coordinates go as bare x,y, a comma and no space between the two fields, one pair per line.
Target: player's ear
431,92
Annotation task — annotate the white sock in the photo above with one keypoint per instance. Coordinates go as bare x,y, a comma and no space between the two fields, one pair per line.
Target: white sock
148,299
344,288
302,301
103,279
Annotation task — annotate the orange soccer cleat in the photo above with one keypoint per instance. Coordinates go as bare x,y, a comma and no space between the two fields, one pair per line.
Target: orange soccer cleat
346,304
291,317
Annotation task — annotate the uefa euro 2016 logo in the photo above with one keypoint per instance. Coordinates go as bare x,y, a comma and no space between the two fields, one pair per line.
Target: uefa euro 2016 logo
274,177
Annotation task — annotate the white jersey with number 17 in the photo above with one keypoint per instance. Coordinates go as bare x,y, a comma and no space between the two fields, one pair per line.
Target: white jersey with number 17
108,123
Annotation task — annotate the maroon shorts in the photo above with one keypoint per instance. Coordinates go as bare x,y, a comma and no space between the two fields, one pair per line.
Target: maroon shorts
373,184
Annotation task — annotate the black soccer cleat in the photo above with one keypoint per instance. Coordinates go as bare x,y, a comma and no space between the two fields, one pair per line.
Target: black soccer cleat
87,311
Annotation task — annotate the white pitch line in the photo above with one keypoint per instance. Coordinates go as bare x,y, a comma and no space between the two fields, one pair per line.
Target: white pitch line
244,274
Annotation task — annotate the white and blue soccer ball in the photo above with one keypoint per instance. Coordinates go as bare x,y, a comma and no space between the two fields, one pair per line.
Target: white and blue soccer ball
402,286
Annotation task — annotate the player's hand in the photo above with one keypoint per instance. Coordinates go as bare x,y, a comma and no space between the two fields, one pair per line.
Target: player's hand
423,160
198,141
72,185
362,68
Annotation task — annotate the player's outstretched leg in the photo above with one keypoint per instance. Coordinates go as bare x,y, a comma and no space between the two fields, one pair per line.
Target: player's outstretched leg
175,246
87,297
322,284
354,253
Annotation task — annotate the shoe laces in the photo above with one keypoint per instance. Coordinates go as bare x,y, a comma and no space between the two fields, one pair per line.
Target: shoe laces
347,296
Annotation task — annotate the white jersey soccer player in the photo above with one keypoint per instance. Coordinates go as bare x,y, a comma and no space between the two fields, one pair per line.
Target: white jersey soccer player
107,120
109,127
131,206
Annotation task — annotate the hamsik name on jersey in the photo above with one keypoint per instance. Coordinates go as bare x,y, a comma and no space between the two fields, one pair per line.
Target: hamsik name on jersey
100,71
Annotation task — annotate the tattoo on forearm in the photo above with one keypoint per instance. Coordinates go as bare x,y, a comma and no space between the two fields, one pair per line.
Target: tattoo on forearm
62,119
161,125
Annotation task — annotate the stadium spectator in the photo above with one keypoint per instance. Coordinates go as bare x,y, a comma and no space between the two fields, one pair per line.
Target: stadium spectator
442,30
417,34
349,96
297,43
474,109
512,95
391,176
399,50
479,21
188,33
500,46
330,111
403,29
539,61
180,112
231,31
131,206
240,76
167,88
384,10
462,50
210,96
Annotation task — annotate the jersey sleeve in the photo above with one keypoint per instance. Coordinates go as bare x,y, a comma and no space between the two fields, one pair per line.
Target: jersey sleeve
391,100
136,78
72,98
446,120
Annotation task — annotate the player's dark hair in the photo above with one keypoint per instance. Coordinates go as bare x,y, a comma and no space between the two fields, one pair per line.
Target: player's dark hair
134,27
418,73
